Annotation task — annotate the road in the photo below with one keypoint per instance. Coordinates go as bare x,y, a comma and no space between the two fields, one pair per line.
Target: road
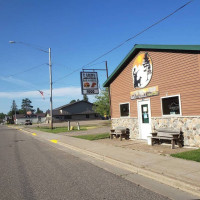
31,169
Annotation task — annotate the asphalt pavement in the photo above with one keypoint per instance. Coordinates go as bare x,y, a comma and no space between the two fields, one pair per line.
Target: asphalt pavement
33,169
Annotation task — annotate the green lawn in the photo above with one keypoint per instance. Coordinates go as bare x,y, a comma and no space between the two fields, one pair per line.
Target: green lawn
189,155
58,129
93,137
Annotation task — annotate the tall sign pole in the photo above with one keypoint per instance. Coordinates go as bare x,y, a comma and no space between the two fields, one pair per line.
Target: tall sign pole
86,85
51,104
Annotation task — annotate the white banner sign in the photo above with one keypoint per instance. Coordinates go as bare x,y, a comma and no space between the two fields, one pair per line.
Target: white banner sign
89,83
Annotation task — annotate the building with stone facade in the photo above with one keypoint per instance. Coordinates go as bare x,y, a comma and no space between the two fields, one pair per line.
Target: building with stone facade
157,86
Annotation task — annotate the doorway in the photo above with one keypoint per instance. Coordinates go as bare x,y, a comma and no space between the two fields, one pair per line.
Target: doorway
144,118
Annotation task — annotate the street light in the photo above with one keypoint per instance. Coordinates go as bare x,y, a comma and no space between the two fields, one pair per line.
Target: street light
50,78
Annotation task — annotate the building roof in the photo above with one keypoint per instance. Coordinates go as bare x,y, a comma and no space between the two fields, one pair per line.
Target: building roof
140,47
21,116
67,105
57,111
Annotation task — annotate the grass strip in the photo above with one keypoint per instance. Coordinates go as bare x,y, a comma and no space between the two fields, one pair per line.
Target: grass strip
57,129
93,137
188,155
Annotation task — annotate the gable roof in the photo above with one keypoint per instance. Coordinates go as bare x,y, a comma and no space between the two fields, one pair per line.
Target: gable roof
140,47
67,105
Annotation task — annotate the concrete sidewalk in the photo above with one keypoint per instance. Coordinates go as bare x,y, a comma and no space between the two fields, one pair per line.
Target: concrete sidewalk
175,172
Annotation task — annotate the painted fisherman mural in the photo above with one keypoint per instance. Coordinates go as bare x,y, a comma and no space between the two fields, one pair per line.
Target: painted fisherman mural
142,70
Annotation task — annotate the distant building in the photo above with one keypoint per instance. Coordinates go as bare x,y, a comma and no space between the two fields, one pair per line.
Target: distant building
7,119
80,110
35,118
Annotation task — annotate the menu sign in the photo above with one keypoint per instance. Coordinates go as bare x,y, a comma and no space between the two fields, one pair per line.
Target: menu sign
89,83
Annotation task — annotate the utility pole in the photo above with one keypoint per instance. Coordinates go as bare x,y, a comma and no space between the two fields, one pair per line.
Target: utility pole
50,75
108,87
51,104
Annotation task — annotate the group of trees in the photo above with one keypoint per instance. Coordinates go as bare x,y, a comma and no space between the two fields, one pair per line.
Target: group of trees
101,105
25,107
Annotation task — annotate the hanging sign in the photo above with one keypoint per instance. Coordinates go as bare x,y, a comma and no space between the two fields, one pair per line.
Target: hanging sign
89,83
146,92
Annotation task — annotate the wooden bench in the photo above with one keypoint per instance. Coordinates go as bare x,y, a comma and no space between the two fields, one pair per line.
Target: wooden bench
121,132
163,135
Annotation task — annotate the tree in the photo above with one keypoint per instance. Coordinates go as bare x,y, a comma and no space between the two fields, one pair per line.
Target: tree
26,106
39,111
102,105
85,97
13,108
2,115
73,101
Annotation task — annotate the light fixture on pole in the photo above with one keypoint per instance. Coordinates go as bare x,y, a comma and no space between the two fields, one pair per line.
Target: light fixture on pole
50,77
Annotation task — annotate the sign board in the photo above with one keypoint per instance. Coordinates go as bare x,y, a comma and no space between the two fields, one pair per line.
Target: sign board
28,112
89,83
147,92
142,70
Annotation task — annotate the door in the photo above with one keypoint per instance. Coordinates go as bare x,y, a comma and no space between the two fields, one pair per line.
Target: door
144,118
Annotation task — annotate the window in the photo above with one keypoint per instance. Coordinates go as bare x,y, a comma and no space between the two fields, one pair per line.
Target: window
171,105
124,110
145,114
87,116
67,117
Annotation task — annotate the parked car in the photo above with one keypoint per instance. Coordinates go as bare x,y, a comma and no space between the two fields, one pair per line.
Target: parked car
28,122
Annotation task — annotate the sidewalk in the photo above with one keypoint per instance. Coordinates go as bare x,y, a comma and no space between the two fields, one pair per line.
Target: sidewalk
175,172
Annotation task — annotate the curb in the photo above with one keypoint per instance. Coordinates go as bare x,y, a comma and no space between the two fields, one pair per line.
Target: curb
192,189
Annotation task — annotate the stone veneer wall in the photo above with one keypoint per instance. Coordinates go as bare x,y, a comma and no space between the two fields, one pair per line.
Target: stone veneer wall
131,123
190,127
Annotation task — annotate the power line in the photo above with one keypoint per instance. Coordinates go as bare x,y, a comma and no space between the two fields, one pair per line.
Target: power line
118,46
159,21
27,70
73,72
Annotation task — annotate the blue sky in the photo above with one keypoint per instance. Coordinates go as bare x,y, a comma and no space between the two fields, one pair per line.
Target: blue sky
78,32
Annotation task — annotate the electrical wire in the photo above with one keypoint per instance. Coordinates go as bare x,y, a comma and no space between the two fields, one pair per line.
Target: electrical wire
106,53
27,70
121,44
149,27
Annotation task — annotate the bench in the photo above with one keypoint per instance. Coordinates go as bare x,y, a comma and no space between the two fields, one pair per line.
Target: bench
121,132
163,135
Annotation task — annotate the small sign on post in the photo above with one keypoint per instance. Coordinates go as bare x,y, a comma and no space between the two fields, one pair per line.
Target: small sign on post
89,83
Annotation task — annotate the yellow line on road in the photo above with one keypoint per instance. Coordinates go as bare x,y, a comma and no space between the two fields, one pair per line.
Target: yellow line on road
54,141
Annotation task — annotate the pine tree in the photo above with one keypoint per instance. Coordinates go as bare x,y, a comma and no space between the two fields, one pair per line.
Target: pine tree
26,106
13,109
39,111
85,97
